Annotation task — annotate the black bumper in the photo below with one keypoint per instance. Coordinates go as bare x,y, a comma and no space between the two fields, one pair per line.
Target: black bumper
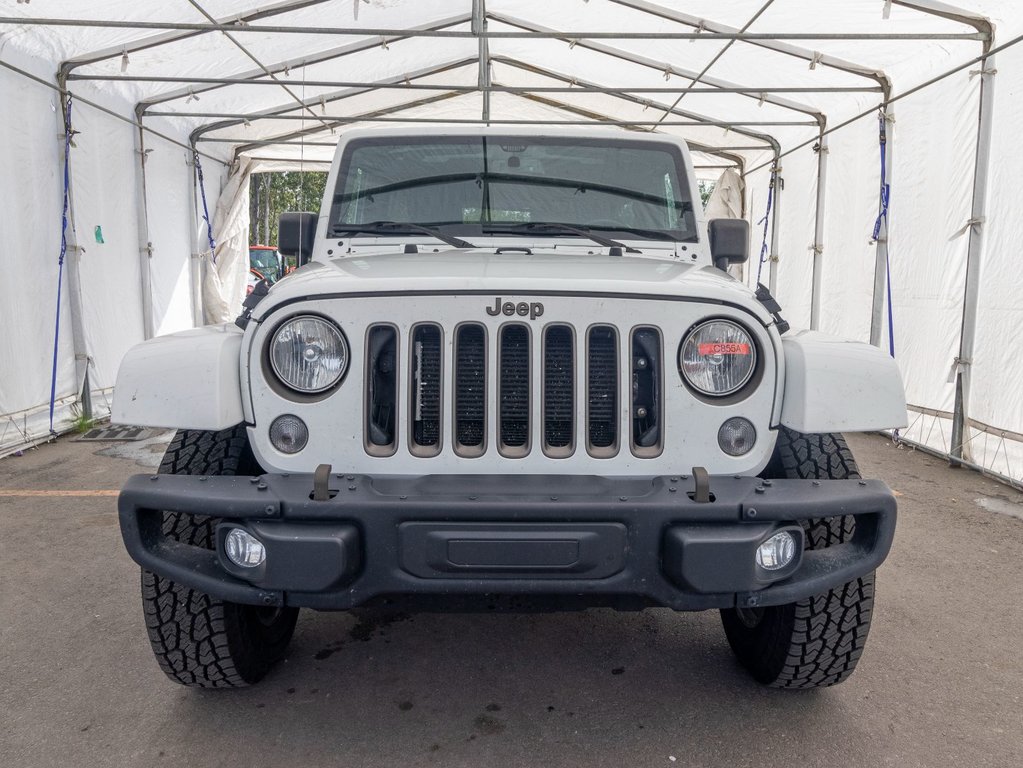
595,540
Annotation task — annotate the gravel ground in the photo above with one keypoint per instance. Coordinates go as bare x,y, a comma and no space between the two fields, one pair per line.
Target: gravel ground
940,683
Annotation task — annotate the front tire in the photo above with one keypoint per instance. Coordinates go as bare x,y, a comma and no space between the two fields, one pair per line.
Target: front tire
815,642
198,640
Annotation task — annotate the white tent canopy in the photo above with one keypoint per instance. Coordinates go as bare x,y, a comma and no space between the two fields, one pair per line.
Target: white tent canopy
786,94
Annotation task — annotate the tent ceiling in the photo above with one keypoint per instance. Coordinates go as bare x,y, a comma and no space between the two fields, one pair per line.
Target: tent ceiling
282,80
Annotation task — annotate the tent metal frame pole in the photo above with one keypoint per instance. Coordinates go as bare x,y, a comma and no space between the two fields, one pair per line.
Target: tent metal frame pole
772,257
286,65
61,87
768,140
299,142
878,296
197,134
195,264
599,119
952,13
346,119
900,96
628,96
276,29
659,66
251,56
705,25
817,248
963,364
479,28
332,98
227,81
145,244
142,44
73,255
709,65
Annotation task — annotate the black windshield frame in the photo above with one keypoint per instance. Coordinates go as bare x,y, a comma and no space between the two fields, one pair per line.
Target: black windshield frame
687,231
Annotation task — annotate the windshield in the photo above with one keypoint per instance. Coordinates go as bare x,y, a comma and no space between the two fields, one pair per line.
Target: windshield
473,185
265,261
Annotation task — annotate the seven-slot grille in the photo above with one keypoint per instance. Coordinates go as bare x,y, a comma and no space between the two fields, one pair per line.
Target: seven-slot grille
551,402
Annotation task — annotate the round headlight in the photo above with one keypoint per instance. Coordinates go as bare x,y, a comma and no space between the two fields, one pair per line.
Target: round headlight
718,357
309,354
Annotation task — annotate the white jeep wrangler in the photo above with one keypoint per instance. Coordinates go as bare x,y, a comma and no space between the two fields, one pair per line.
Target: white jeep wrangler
512,370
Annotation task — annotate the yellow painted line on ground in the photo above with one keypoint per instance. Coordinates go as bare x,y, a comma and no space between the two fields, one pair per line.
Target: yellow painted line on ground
10,493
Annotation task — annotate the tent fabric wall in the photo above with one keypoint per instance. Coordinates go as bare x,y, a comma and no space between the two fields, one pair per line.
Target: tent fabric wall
103,191
31,186
996,398
256,125
226,275
169,201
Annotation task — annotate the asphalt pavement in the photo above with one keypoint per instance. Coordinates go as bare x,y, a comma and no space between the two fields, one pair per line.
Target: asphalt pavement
940,682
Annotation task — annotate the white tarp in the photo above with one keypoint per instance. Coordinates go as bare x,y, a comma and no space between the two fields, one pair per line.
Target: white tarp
292,94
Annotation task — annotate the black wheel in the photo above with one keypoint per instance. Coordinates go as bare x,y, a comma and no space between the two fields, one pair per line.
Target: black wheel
198,640
814,642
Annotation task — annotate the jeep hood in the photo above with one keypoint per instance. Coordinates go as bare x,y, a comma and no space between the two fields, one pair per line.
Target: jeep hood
510,274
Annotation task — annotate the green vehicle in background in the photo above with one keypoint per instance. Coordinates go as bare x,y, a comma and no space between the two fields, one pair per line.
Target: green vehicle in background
266,263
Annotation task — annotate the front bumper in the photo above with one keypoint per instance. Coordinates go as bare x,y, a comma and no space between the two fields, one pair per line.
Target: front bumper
593,540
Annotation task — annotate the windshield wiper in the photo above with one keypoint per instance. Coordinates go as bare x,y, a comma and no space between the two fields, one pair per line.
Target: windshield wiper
380,227
650,234
542,226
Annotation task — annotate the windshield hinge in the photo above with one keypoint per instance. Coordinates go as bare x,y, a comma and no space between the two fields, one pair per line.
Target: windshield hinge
771,305
261,289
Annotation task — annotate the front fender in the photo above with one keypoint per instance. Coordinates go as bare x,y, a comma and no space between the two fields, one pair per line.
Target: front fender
834,385
185,380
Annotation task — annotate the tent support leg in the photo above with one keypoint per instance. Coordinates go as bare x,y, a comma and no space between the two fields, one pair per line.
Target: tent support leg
772,256
74,275
964,362
818,233
881,246
479,28
145,245
195,262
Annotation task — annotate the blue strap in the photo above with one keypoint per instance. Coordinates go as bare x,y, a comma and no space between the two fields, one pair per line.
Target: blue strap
883,216
764,221
63,252
205,207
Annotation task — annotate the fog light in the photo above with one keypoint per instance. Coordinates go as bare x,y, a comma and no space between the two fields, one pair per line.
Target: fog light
777,552
289,434
737,436
243,549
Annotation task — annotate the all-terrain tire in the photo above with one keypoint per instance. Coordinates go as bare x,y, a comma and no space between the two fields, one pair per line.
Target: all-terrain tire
198,640
814,642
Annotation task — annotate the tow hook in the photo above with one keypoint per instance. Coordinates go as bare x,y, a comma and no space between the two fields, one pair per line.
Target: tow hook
701,482
321,477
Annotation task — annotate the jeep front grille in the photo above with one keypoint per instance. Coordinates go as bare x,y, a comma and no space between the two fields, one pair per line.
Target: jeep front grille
513,390
532,382
470,389
558,393
425,389
602,389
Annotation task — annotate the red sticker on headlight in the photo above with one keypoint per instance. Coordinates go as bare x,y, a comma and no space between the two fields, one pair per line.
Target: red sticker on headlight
724,348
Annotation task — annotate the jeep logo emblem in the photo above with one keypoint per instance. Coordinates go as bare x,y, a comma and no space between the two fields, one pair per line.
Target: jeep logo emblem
534,309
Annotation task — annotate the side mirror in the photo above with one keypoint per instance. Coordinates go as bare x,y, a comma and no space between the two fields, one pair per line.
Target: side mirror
729,241
296,233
